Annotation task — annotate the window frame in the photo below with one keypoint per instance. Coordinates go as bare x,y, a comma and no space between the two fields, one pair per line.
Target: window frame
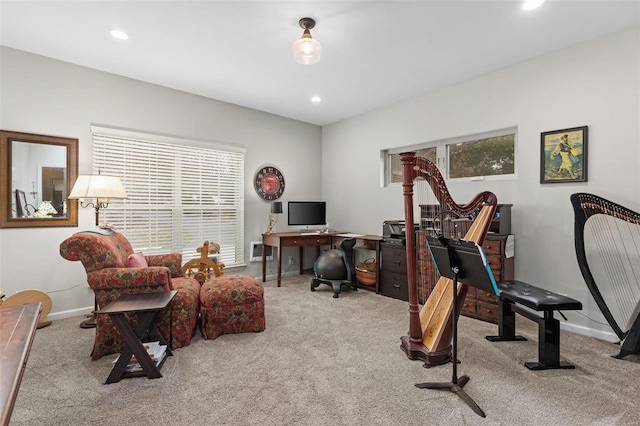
442,160
176,211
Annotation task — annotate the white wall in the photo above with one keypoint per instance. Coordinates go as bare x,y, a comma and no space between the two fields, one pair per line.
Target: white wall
44,96
594,84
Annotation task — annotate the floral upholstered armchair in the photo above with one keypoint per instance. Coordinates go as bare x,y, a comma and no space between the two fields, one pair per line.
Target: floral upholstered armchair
106,256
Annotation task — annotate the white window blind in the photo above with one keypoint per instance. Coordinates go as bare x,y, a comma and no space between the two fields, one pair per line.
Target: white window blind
179,195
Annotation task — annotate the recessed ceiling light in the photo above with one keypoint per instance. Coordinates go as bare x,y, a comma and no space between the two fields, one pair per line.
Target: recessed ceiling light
532,4
119,34
316,99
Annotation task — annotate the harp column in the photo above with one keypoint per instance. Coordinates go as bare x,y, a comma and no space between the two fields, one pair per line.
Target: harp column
411,344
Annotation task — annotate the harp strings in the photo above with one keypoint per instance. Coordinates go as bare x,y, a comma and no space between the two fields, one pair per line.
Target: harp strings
438,215
428,226
616,244
633,260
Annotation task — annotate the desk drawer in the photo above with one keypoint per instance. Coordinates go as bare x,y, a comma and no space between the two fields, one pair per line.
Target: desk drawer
311,240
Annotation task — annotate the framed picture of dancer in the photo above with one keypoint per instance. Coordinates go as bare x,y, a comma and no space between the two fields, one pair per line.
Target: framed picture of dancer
563,155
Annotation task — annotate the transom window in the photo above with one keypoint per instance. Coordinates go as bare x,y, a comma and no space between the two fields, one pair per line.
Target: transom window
487,154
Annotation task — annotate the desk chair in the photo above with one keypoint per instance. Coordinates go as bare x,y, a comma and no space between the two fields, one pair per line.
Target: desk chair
336,268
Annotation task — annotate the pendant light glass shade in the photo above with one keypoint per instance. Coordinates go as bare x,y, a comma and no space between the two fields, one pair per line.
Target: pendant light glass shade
306,50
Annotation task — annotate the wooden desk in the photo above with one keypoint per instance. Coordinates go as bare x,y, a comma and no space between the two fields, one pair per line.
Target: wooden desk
147,306
332,239
17,329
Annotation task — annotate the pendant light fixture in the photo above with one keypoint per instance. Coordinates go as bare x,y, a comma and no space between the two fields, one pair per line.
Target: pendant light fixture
306,50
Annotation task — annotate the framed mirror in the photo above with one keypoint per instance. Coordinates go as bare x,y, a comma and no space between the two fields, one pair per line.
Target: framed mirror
37,173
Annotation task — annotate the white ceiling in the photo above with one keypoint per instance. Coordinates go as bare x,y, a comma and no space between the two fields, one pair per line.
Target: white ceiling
374,53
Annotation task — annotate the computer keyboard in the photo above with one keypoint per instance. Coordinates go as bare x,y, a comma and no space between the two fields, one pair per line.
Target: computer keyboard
312,231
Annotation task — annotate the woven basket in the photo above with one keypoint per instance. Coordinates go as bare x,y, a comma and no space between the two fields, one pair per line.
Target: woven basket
366,272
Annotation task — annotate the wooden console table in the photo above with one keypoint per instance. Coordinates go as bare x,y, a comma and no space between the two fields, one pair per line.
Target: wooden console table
17,329
332,239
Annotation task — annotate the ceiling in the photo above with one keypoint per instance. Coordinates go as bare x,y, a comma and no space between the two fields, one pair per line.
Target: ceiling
374,53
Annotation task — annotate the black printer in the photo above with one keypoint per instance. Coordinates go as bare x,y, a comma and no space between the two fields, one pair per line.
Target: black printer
394,231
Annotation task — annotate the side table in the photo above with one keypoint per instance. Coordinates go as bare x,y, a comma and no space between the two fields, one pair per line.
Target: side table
147,306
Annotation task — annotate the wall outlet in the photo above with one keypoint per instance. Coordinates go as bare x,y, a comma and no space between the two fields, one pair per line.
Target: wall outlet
291,261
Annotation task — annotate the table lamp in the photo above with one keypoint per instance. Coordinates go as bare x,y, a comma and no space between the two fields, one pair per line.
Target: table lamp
276,209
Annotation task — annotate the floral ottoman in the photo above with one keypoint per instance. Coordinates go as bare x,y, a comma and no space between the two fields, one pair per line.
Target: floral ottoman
231,304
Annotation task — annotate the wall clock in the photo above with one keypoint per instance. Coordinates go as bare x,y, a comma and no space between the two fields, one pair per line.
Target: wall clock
269,183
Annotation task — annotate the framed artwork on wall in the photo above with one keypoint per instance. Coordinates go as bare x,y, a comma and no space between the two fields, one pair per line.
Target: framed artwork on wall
563,155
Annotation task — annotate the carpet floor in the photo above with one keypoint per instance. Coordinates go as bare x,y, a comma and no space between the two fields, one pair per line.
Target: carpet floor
326,361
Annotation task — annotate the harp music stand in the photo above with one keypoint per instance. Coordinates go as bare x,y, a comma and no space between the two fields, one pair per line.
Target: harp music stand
460,259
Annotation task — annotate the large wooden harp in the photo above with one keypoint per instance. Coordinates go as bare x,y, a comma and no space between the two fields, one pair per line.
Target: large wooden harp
430,328
607,241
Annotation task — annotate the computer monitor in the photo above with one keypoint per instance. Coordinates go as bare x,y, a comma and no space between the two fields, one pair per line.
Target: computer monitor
305,214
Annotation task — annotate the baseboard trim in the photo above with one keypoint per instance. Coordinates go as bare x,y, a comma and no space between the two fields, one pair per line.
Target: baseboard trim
70,313
271,277
585,331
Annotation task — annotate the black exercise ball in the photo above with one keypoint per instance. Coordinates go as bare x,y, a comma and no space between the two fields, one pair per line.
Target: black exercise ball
330,265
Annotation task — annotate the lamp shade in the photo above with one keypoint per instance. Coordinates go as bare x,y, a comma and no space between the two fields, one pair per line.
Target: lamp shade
97,186
276,207
306,50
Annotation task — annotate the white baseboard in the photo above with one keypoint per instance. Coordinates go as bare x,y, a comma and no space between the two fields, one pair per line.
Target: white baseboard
70,313
270,277
585,331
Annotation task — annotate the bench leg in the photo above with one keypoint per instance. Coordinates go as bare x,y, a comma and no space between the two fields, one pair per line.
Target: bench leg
548,345
506,324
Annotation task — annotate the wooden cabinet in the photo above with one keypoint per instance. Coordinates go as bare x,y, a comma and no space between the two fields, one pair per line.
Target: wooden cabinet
501,223
498,247
393,271
478,303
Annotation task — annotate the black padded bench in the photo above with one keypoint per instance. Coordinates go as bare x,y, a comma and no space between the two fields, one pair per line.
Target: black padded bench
514,293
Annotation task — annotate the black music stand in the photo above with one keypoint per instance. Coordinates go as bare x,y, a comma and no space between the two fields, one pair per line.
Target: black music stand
457,259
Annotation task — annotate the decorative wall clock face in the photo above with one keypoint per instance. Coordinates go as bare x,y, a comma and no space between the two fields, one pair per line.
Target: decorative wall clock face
269,183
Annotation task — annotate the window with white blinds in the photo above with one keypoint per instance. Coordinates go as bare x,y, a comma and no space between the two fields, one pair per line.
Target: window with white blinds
180,194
